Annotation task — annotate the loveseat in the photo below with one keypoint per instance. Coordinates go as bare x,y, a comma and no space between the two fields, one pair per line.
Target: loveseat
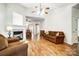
56,37
12,48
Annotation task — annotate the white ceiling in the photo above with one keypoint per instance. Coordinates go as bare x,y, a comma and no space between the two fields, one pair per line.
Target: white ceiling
52,5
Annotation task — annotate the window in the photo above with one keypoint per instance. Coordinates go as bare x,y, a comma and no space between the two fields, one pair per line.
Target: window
17,19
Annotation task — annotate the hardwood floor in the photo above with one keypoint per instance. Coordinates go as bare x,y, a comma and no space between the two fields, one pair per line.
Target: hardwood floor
46,48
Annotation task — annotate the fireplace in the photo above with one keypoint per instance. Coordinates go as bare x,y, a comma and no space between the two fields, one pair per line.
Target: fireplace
18,34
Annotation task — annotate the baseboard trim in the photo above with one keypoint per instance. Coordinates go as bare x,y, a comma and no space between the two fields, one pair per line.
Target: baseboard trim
73,45
68,44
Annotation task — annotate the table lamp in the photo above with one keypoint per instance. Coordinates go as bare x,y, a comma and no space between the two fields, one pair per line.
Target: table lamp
9,28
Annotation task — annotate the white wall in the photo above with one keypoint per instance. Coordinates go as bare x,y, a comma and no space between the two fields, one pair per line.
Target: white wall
13,7
61,20
6,15
2,19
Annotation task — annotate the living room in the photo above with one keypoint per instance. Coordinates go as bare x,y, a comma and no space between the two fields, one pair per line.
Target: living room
16,18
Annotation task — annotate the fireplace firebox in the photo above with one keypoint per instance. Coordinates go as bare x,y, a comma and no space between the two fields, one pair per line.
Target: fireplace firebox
18,34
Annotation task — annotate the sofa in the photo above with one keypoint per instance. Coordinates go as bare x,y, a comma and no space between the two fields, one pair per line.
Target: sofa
12,48
56,37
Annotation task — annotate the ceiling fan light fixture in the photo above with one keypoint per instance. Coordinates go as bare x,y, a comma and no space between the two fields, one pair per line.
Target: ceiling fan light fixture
47,8
41,11
46,12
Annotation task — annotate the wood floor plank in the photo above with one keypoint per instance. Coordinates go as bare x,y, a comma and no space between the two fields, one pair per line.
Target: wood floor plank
46,48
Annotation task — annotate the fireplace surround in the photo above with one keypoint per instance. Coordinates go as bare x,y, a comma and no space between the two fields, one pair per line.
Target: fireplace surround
19,31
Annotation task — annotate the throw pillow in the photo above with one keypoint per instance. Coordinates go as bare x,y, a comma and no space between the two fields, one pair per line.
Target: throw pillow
57,34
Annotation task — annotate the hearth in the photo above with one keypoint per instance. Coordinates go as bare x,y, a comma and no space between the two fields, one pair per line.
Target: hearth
18,34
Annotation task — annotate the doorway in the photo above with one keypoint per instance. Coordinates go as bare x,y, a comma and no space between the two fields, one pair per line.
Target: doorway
37,31
36,25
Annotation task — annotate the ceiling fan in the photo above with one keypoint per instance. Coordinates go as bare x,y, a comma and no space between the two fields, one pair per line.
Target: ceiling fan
41,11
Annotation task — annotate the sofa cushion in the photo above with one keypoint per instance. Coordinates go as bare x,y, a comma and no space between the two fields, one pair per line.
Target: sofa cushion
61,33
53,33
3,42
14,39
